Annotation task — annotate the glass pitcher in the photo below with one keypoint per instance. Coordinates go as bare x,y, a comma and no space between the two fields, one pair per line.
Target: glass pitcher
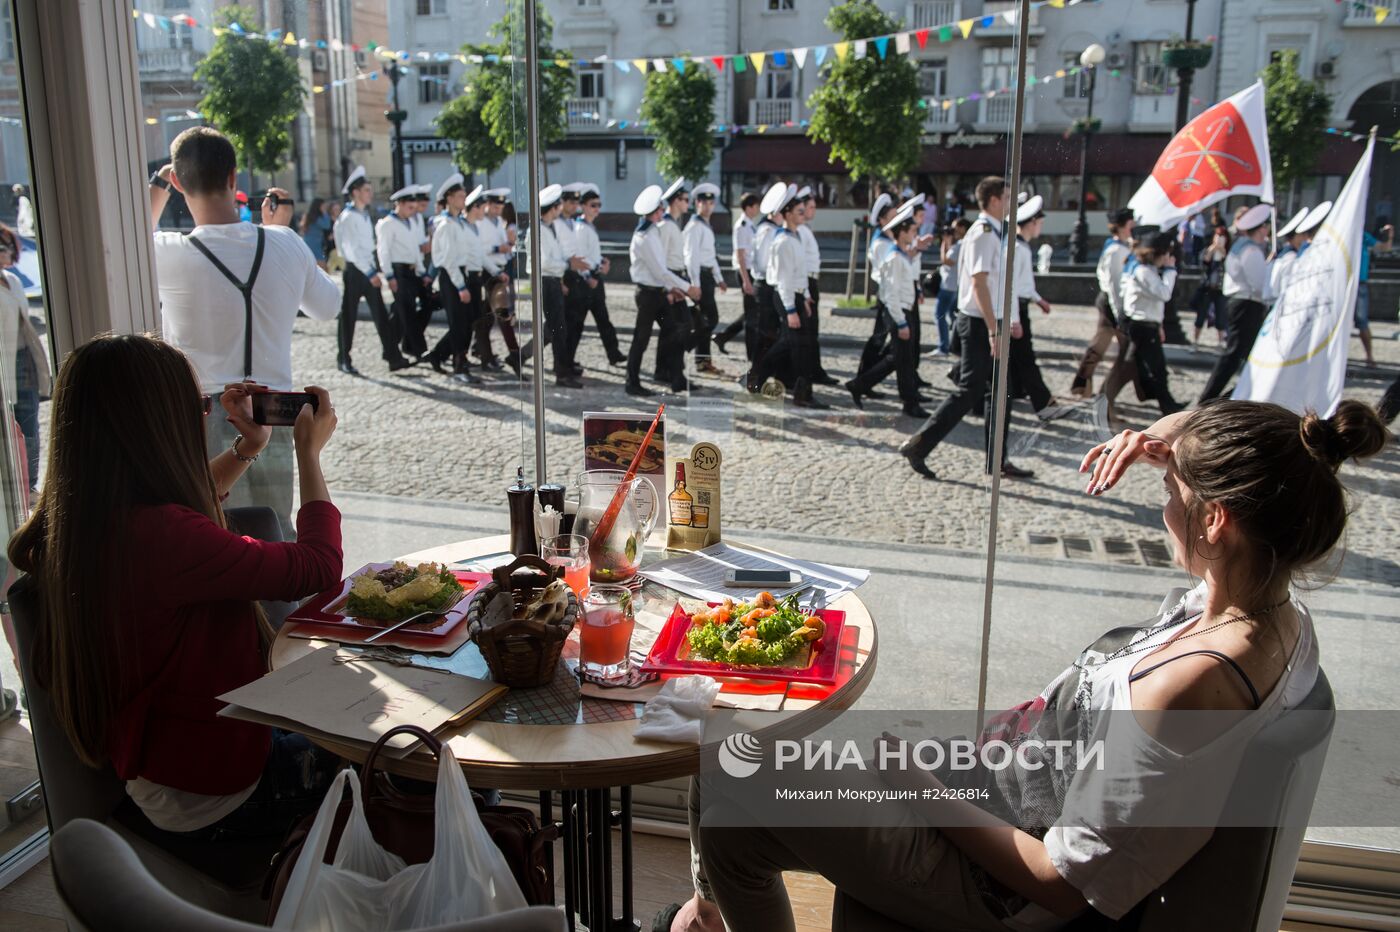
615,559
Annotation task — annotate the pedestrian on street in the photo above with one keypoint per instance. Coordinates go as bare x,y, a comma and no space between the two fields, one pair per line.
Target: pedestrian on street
1289,248
880,213
981,273
898,278
1369,244
918,204
457,258
26,373
947,301
315,230
578,274
676,325
362,279
1026,380
427,300
229,295
742,259
1116,250
657,288
1148,280
1246,286
496,237
762,330
812,253
1209,300
591,204
400,251
702,267
553,263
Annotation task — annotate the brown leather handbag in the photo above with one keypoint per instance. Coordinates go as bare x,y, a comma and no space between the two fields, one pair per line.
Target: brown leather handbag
403,824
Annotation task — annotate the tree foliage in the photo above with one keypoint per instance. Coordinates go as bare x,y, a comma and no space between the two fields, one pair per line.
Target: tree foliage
487,121
679,108
252,92
1297,110
867,109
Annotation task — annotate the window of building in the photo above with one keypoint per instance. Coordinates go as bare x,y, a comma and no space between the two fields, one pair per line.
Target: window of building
1076,85
172,5
660,2
776,83
589,81
432,7
1150,76
933,77
590,3
781,6
433,83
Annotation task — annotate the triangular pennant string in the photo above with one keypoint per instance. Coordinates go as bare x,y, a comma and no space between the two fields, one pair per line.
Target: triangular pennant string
820,53
901,43
678,64
640,64
881,44
965,26
841,49
921,37
801,56
757,59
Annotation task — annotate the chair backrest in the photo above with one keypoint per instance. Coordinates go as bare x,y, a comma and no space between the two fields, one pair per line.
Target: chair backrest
105,888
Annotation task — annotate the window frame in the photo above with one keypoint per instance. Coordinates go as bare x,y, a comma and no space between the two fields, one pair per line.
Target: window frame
430,89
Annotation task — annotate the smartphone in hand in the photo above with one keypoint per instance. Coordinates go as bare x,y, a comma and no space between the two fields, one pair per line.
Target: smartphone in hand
280,409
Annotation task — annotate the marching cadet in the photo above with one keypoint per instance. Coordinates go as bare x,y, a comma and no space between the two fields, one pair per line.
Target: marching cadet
1025,378
495,239
786,275
1148,280
400,252
553,265
981,271
354,238
676,325
1307,227
1246,286
813,255
455,251
1109,302
762,330
427,300
702,268
586,237
897,276
880,213
656,287
1293,245
576,276
742,258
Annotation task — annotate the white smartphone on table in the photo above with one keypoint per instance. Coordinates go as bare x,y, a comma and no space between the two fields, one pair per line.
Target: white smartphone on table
762,579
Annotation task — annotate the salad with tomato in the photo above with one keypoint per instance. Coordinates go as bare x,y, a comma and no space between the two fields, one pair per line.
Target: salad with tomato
762,633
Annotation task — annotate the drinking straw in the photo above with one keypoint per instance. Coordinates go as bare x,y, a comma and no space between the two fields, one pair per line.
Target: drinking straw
605,524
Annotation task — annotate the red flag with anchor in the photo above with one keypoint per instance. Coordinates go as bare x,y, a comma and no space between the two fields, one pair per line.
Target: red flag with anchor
1222,153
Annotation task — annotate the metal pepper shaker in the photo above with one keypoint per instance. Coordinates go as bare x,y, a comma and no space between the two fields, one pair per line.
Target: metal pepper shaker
521,498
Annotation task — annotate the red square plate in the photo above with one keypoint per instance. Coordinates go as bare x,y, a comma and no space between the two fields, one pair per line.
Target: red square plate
671,654
328,607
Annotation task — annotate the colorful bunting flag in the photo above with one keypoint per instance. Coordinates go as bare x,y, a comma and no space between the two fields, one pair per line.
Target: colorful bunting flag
622,66
901,43
801,56
719,62
945,34
740,63
841,49
640,64
289,39
821,55
757,59
1381,13
966,27
1010,16
860,49
659,64
881,44
780,59
678,64
922,37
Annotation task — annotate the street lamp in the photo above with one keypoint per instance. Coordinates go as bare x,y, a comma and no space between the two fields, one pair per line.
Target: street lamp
396,116
1090,58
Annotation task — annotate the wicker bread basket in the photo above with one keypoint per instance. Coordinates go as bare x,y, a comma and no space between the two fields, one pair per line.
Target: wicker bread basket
520,651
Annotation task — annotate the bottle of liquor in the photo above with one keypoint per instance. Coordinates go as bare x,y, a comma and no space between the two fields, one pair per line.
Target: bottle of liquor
680,500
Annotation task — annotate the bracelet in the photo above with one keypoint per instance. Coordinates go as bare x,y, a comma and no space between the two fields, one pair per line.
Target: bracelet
241,458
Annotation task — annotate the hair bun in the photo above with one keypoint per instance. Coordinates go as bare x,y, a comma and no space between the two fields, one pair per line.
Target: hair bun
1355,431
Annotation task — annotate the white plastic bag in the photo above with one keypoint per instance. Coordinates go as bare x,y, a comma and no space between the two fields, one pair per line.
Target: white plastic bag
368,889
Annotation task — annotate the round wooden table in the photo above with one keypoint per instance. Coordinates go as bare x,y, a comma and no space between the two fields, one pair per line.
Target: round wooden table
584,760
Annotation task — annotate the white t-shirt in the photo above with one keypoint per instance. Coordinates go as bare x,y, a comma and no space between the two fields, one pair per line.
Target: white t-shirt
202,312
981,252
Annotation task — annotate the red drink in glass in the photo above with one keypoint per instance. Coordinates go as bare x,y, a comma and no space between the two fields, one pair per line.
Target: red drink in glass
605,633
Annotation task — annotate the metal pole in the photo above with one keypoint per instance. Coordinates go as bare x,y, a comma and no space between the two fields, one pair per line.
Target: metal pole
1183,90
1000,396
1080,234
395,117
532,147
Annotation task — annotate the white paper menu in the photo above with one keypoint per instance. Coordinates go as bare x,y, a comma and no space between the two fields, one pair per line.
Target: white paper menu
701,574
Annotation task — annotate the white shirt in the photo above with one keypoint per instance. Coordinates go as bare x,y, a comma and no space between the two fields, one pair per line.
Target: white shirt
1023,273
493,236
898,277
450,235
879,246
1146,291
1278,272
1246,271
673,243
13,308
586,244
981,252
811,252
398,244
24,218
1110,272
568,242
649,260
700,249
553,262
354,239
743,243
787,269
202,312
762,239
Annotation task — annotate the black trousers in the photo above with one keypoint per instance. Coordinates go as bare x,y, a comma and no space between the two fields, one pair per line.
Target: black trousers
408,285
875,345
898,356
1026,380
814,292
596,303
794,352
677,326
651,312
1152,363
704,317
760,326
556,324
461,318
575,309
356,285
732,331
1246,317
974,378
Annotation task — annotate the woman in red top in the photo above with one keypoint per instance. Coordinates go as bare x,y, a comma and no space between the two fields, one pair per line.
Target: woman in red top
151,603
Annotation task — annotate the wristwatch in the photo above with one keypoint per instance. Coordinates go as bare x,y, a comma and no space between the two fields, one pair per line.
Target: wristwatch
239,456
158,182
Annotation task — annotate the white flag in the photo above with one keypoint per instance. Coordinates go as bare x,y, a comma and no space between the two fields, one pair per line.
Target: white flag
1300,357
1222,153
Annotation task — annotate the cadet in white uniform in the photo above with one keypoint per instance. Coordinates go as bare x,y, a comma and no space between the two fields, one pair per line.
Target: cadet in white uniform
500,267
1116,250
762,329
354,239
813,255
455,250
553,264
657,288
577,275
742,259
897,276
1246,286
586,237
1293,243
1148,280
1026,380
880,213
427,300
401,256
677,326
702,268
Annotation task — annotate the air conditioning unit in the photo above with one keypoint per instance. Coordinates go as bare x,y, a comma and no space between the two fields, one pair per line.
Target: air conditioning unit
1115,60
319,60
666,18
1326,69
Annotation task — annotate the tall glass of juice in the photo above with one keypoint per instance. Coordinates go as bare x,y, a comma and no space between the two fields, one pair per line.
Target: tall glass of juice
571,552
605,633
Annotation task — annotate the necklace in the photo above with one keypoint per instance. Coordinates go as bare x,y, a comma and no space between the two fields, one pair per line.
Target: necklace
1128,650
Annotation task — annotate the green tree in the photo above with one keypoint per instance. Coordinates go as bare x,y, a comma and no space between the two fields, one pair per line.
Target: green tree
1297,110
488,120
867,109
679,108
252,92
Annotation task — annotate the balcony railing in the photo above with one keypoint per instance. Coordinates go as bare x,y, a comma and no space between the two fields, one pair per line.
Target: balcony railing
1364,14
927,14
997,112
770,110
587,112
936,118
166,61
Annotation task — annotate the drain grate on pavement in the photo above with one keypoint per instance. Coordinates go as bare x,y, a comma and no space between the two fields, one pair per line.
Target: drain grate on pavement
1118,550
1090,549
1155,553
1078,548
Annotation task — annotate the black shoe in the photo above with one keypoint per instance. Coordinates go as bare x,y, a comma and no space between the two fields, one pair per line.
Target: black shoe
923,383
915,411
639,390
954,372
400,364
916,462
680,388
492,365
719,345
513,360
347,367
437,365
617,360
826,378
1012,471
874,395
577,370
466,378
855,395
567,381
810,401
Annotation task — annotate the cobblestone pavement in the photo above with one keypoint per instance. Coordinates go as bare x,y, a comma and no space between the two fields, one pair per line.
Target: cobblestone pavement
420,435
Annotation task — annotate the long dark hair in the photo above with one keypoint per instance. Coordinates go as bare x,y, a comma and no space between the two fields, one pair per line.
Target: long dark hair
127,431
313,213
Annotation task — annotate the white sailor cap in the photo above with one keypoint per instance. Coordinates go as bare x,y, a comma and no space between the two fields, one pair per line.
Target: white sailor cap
454,180
356,176
905,213
422,191
496,194
914,202
477,194
1021,198
776,197
550,196
405,194
647,202
1291,226
804,192
677,187
705,189
1314,218
880,204
1255,217
588,188
573,190
1030,209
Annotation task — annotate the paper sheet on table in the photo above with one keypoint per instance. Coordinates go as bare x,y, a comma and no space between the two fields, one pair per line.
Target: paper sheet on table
701,574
